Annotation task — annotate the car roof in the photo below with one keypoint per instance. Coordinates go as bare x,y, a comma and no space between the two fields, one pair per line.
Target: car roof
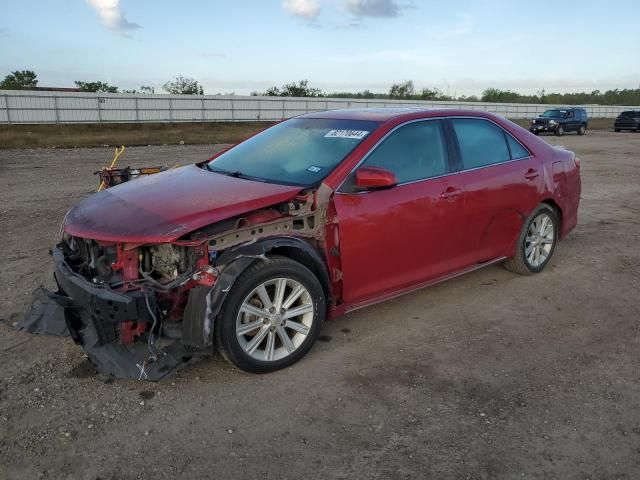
385,114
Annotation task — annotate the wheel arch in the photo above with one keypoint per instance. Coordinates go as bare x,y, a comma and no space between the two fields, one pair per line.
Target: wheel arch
204,303
298,249
556,208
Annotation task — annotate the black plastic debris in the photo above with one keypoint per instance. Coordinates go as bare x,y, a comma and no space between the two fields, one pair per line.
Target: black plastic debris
45,314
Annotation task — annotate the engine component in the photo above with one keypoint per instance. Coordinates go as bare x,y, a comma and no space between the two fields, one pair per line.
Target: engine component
165,261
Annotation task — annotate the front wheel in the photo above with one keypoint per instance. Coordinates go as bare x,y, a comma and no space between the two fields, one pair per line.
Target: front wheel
536,243
272,316
582,130
559,131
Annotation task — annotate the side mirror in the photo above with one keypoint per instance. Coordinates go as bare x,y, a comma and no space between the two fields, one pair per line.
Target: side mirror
375,178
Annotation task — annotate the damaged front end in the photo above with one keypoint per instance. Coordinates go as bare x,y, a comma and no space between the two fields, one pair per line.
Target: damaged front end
120,304
144,311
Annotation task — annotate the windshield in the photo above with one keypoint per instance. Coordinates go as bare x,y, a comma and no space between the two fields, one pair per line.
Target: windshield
554,114
630,113
300,151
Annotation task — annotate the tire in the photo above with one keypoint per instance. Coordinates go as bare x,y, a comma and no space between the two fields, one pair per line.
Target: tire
617,130
535,132
582,130
520,263
246,294
559,131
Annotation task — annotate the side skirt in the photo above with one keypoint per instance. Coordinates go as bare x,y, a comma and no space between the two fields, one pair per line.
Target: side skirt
428,283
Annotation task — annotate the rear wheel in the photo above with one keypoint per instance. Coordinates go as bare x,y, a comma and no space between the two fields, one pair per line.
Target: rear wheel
617,130
272,316
536,243
582,130
559,131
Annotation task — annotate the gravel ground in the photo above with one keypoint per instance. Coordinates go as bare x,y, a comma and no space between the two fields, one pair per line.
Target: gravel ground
490,375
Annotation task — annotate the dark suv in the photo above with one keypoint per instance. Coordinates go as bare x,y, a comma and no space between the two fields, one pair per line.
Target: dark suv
561,120
629,120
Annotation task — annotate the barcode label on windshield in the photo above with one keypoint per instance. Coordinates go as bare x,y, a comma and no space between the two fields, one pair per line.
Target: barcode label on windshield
355,134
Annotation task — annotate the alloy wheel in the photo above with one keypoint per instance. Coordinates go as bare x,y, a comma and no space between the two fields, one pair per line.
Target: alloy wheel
539,240
274,319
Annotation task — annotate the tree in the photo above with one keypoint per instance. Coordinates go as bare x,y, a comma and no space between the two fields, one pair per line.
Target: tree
293,89
183,86
101,87
432,94
300,89
505,96
402,90
147,89
541,95
272,92
365,94
19,79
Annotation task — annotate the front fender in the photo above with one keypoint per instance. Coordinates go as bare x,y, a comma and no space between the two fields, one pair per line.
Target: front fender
205,303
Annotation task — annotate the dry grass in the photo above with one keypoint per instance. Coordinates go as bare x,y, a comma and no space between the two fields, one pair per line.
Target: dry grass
97,135
130,134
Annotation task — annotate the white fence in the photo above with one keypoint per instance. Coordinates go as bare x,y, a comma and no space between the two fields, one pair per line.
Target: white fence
19,106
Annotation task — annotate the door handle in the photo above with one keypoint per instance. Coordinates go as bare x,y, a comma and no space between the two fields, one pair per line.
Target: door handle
531,174
451,193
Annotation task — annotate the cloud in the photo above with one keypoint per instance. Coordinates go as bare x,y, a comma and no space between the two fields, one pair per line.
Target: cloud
307,9
211,55
112,15
374,8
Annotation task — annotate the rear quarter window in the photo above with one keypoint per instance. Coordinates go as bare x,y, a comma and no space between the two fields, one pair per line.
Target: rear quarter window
517,150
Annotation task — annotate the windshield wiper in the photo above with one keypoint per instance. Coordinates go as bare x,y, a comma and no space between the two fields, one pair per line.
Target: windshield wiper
235,174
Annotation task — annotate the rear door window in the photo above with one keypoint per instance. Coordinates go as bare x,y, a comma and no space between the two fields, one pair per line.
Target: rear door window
481,142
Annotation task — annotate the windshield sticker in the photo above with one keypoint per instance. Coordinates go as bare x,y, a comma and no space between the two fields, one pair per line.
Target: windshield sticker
354,134
314,169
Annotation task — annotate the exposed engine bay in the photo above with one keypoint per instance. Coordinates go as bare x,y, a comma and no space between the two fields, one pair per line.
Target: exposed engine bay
143,311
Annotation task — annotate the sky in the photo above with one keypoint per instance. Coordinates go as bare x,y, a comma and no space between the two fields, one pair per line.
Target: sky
240,46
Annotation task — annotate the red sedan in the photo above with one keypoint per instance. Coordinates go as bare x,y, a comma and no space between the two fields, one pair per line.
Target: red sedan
316,216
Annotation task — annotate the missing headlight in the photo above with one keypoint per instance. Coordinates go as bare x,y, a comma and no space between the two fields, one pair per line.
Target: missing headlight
165,261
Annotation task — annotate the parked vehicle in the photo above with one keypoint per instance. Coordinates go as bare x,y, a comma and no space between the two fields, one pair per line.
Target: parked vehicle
561,120
629,120
314,217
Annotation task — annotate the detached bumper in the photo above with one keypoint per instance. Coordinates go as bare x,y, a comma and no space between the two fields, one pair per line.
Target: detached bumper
93,316
100,302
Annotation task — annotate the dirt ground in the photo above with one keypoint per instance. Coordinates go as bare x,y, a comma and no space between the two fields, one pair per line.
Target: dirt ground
488,376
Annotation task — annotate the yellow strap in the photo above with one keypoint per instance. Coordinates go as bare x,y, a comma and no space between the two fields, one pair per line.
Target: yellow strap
117,153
